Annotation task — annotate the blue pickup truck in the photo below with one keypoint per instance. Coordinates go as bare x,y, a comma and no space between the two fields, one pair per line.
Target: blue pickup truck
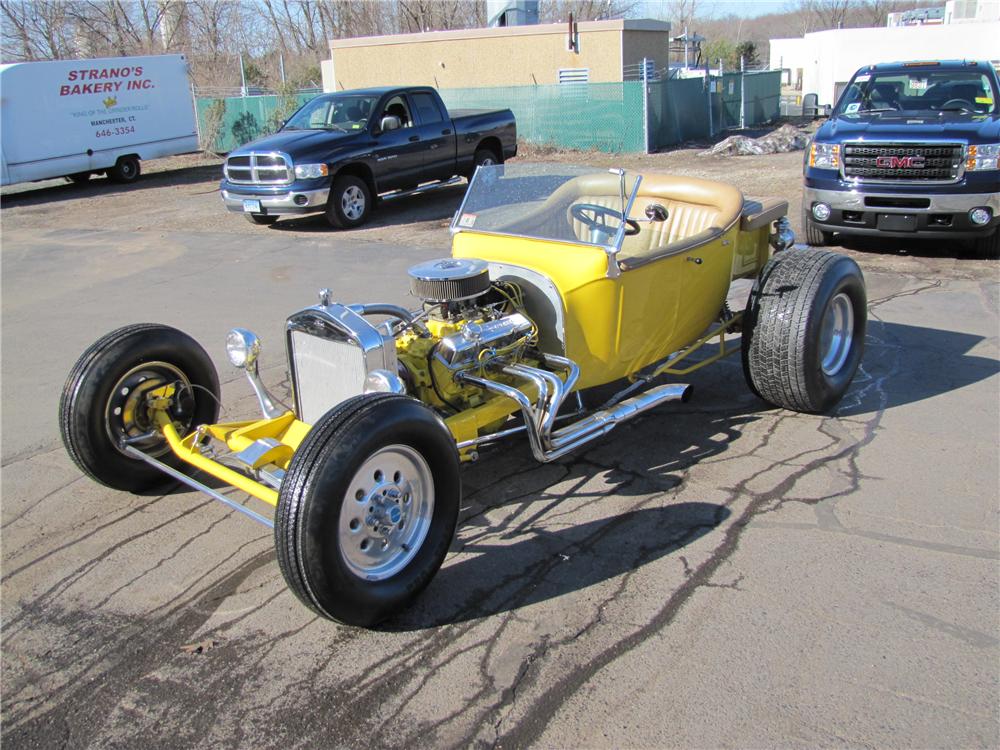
911,149
341,152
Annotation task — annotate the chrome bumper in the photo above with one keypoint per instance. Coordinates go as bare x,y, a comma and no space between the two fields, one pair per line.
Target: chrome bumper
842,200
279,203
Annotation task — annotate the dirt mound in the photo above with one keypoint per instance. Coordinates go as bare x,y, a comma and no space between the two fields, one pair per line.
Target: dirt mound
785,138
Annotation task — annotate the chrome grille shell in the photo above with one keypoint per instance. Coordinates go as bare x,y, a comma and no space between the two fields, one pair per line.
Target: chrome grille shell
944,163
331,349
260,168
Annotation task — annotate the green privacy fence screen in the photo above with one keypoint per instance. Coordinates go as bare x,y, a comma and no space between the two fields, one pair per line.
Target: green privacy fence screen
245,118
611,117
585,116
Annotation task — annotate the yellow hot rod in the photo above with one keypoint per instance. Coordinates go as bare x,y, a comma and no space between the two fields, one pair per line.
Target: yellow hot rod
560,279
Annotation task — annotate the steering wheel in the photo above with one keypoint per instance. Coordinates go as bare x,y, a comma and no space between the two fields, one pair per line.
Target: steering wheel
963,103
597,218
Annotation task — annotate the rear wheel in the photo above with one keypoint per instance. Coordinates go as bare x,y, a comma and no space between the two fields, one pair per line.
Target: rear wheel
804,329
104,402
261,218
814,235
988,247
350,203
484,157
125,170
368,508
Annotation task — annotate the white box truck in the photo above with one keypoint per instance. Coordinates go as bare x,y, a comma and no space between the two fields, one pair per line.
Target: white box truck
77,118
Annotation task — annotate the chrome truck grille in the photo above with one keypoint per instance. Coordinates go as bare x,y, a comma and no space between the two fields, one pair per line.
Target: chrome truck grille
259,169
331,350
920,163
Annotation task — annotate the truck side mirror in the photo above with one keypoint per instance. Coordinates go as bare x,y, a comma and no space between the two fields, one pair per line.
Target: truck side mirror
389,122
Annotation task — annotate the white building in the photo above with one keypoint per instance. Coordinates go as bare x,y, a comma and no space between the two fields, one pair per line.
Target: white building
828,59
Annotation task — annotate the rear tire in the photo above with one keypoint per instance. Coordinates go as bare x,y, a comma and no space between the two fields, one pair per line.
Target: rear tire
813,234
484,157
376,467
101,402
350,203
987,248
125,170
262,219
804,329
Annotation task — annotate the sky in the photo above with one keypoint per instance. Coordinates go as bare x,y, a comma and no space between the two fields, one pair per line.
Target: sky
745,8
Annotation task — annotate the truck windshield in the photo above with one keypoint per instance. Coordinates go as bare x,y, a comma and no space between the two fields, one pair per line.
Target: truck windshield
343,113
919,90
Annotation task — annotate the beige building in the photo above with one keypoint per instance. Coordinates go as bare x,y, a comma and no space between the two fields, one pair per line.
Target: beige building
539,54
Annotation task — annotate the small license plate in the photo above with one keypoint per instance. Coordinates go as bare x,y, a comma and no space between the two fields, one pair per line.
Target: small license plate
251,207
897,222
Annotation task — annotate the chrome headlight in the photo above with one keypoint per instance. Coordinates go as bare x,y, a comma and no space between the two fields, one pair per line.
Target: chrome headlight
982,157
242,348
311,171
824,155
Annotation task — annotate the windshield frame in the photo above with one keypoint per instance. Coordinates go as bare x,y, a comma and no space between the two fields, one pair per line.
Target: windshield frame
329,100
611,248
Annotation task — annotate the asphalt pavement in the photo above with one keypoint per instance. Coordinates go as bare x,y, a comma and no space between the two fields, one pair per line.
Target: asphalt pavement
716,574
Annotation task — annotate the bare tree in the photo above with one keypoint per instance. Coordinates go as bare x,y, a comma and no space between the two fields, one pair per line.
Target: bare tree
584,10
35,30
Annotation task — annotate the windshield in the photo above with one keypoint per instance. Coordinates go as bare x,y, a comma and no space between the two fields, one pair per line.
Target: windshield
546,201
919,90
345,113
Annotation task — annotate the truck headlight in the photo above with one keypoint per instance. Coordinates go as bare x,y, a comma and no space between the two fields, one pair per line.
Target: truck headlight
982,157
824,155
242,348
311,171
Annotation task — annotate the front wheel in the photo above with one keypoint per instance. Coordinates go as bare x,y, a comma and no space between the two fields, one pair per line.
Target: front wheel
79,178
368,508
106,401
125,170
813,234
804,329
350,203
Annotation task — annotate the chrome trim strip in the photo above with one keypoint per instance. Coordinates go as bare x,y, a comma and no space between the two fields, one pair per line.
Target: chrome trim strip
195,484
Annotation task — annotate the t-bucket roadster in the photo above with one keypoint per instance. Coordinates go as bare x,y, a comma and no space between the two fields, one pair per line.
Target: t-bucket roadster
548,292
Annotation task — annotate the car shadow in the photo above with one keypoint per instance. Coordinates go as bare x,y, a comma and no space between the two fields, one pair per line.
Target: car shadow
917,247
54,191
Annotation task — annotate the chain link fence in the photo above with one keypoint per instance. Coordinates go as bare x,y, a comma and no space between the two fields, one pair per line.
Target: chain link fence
633,116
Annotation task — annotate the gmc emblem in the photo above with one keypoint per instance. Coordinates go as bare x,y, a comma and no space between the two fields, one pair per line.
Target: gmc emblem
900,162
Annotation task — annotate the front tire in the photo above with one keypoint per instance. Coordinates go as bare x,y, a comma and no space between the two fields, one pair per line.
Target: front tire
804,329
987,248
125,170
102,402
350,203
813,234
79,178
368,508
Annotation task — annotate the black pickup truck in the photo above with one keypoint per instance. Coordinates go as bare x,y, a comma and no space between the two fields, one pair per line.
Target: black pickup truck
340,152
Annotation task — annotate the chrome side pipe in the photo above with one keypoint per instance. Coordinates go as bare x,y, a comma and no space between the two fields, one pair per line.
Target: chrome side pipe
539,417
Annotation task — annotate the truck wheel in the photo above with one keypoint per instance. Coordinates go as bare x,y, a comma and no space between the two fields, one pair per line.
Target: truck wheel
261,218
79,177
988,247
804,329
350,203
485,157
125,170
814,235
102,402
368,508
